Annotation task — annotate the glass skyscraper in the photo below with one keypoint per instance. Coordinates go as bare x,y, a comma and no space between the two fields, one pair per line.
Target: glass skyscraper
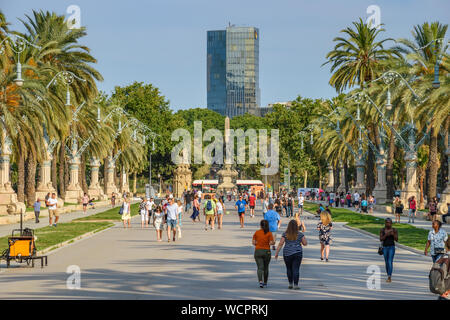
233,71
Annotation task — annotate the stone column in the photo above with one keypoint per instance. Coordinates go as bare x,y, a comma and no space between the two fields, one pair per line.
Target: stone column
330,185
125,187
182,179
74,192
411,187
360,186
45,184
380,190
341,187
110,186
95,190
8,198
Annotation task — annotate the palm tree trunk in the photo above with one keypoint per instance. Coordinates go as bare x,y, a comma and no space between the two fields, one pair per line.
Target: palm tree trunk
432,164
390,167
21,177
336,179
444,160
121,180
320,174
105,173
346,175
134,182
66,174
62,160
371,166
30,187
82,174
370,171
54,173
421,176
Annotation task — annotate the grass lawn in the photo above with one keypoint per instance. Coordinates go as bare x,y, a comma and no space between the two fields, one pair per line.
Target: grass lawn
111,214
50,236
408,235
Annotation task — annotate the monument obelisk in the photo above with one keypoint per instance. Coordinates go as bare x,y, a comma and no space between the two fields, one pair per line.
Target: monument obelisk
227,173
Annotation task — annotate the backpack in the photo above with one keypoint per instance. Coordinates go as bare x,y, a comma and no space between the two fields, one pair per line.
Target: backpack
209,205
438,278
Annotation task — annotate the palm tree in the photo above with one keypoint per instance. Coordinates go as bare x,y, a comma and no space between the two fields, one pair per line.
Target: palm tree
424,57
356,60
60,51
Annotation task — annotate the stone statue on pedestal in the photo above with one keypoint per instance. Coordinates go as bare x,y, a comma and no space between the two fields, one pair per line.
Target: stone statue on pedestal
227,174
182,179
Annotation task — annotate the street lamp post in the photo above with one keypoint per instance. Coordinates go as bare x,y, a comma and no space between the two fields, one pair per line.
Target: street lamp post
67,78
439,56
359,156
74,190
410,146
18,45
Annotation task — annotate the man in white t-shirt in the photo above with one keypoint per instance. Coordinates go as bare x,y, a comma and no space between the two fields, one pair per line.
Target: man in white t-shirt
52,204
356,200
149,206
172,210
199,193
301,199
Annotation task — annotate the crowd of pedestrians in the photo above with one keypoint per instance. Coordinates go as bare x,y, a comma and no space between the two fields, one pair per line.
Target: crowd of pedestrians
272,237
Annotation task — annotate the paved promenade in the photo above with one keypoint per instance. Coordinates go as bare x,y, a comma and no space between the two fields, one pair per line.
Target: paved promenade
129,264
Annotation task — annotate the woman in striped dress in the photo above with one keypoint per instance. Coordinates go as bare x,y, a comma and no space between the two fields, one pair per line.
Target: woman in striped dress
293,240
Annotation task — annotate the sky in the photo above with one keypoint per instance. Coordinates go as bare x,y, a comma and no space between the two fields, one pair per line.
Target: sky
163,42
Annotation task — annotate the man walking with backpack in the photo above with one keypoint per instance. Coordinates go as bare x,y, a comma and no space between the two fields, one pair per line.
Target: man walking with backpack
209,209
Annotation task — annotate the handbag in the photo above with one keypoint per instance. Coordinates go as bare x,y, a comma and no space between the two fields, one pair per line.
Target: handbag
121,210
380,249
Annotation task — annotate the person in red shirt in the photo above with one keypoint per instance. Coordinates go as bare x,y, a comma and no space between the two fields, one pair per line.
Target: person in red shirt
252,202
349,200
412,209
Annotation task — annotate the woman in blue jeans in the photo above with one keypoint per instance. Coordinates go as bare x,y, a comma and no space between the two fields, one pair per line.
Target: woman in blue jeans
292,240
388,236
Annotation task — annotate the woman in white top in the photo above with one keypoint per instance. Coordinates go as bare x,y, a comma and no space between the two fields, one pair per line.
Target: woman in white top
126,216
144,213
158,222
220,210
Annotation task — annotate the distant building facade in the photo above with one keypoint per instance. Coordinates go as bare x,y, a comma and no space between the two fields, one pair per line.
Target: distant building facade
233,71
267,109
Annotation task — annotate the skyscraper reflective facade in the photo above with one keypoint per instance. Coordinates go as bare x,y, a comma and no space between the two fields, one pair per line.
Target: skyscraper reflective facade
233,86
216,71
